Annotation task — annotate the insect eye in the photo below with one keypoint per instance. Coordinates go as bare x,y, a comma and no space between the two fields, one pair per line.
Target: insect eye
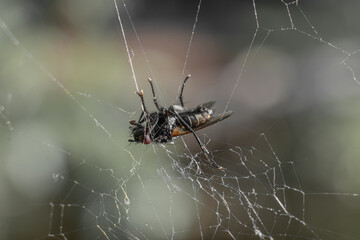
146,139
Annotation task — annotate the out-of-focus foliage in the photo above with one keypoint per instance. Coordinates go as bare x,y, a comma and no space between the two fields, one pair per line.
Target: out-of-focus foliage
293,88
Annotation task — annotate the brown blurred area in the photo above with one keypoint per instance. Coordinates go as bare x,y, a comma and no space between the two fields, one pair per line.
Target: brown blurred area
290,85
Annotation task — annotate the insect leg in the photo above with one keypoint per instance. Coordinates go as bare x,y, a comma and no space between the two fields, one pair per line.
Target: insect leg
153,92
144,112
142,118
141,95
204,150
182,90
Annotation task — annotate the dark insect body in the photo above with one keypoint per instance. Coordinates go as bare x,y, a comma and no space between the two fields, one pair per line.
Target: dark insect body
167,123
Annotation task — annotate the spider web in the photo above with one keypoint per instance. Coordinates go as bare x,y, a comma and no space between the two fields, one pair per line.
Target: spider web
288,153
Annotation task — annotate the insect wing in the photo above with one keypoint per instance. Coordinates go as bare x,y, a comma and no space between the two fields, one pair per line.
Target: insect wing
178,131
213,120
208,105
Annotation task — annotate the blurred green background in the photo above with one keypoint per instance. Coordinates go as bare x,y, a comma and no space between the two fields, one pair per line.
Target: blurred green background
294,87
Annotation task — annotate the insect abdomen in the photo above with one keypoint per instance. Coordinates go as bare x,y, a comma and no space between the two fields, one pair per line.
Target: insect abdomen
195,119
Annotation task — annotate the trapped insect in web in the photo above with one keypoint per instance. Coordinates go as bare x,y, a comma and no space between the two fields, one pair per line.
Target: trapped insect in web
167,123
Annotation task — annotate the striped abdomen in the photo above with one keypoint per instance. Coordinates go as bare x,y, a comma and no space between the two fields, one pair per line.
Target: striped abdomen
194,119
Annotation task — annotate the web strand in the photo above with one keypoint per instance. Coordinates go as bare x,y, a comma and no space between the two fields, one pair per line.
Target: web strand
126,45
17,43
192,36
169,191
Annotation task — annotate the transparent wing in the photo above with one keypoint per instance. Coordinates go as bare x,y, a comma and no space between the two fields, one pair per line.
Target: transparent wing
178,131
